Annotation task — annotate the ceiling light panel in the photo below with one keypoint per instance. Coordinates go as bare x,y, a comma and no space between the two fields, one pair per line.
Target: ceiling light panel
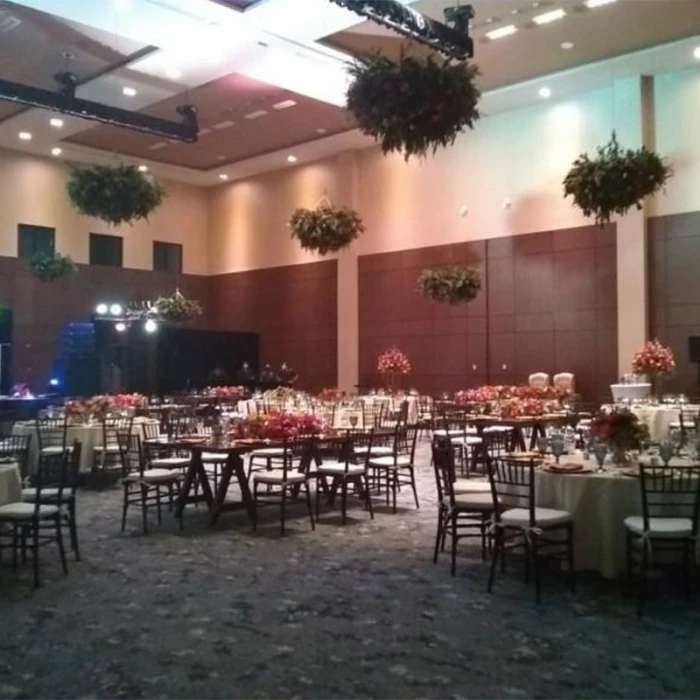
227,124
255,115
598,3
502,32
551,16
286,104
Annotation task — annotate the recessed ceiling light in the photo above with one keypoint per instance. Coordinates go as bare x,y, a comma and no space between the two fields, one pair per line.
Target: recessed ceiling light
173,73
56,151
56,123
551,16
143,168
129,92
597,3
696,53
566,45
544,92
25,136
286,104
291,159
223,176
501,32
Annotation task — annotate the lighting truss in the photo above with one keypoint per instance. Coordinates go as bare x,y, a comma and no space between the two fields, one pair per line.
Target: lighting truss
65,102
451,39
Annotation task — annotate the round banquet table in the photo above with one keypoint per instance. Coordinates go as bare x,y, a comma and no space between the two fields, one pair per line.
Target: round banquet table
89,435
599,503
10,483
630,391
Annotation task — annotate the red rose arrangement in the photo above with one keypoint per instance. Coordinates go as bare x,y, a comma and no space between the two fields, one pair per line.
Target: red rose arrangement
393,361
278,425
621,429
653,358
228,393
102,404
331,394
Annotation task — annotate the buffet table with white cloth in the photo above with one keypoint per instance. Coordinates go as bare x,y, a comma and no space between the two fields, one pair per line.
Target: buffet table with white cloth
657,418
630,392
10,483
89,435
599,504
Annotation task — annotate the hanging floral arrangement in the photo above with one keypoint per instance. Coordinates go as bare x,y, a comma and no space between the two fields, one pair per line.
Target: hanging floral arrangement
615,180
117,194
450,285
326,229
51,266
415,105
177,309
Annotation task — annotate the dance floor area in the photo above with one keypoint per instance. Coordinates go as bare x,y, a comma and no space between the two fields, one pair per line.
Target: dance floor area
353,611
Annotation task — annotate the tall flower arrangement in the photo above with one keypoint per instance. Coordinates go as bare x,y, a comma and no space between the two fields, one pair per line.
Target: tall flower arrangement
392,363
656,361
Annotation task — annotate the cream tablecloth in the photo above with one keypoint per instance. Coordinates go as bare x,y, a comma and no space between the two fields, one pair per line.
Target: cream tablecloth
630,392
88,435
10,483
657,419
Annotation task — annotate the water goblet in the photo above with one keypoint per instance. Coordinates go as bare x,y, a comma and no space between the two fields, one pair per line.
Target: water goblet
558,450
600,451
542,444
353,420
666,451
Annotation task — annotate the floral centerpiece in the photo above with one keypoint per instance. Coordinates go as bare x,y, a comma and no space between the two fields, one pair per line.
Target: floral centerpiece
226,393
492,398
392,363
331,394
519,408
655,360
621,431
102,404
278,425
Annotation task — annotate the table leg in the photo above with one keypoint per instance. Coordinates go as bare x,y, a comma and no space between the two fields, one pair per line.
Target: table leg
195,474
233,464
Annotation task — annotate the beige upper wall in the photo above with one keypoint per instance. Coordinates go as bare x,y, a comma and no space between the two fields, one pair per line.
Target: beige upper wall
32,191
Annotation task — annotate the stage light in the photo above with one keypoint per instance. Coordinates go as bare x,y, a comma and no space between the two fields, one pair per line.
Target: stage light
115,309
150,326
120,327
102,309
54,382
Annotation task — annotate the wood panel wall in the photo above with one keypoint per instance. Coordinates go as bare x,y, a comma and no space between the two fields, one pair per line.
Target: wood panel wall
674,291
548,303
295,311
41,309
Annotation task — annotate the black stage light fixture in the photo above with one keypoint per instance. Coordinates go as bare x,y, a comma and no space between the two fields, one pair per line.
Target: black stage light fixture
451,39
65,102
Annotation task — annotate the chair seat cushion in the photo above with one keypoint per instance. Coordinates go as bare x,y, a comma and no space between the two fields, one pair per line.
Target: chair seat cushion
169,462
55,449
47,494
276,476
453,433
375,451
338,469
268,452
25,511
475,501
110,449
544,517
214,457
390,462
461,486
468,441
660,527
155,476
499,429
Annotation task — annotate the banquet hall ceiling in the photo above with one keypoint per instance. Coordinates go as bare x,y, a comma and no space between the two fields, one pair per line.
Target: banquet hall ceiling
268,78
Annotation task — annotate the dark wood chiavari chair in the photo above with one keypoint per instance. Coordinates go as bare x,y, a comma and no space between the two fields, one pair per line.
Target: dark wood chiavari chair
460,515
106,455
15,448
668,524
543,533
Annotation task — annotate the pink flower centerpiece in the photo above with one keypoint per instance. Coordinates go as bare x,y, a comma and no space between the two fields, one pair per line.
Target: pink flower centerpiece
278,425
655,361
393,363
227,393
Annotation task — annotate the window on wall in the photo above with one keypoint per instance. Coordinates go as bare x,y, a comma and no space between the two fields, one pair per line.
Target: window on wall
167,257
35,239
106,250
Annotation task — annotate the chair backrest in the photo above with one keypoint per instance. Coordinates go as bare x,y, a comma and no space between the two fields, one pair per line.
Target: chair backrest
356,448
110,427
51,432
496,442
453,420
405,441
669,492
513,485
16,448
564,381
297,454
130,453
539,380
444,469
51,473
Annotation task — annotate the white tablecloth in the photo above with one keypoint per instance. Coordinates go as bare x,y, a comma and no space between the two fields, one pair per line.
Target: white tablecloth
10,483
630,391
88,435
394,404
657,419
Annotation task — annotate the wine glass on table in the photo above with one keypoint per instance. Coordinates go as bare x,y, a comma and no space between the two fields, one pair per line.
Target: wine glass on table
666,451
353,420
600,452
558,447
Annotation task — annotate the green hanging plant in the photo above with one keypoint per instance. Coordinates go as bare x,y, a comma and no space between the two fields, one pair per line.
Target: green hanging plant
51,266
455,284
114,193
326,229
177,309
615,181
413,106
